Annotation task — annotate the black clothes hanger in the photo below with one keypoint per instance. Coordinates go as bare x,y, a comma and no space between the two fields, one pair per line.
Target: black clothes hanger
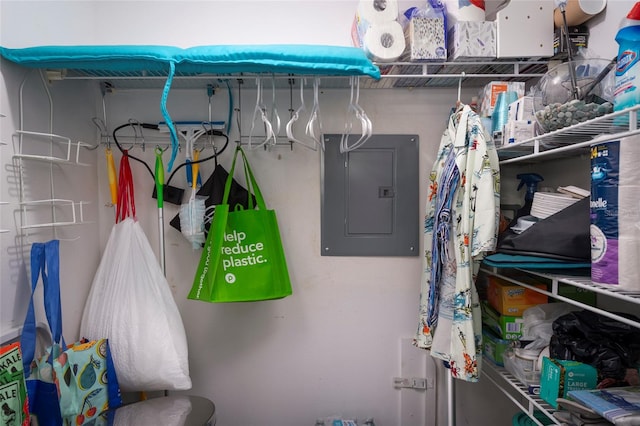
171,194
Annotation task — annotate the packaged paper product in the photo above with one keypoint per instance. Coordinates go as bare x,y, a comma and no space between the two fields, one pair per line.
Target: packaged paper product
469,40
489,94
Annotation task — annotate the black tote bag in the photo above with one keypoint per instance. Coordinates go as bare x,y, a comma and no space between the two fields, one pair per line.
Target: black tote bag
213,189
564,236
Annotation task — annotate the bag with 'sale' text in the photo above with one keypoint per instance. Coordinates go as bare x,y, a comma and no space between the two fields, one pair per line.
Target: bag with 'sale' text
242,259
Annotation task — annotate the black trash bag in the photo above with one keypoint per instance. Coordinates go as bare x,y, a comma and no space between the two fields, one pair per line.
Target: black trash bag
564,236
608,345
213,189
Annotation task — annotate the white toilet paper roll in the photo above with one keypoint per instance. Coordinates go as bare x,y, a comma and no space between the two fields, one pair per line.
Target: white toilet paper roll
464,10
384,42
377,11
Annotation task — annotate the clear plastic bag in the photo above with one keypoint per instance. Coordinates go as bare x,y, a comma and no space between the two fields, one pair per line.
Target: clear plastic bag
537,324
130,303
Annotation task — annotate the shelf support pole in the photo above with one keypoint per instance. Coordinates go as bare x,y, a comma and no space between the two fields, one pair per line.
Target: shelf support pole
451,395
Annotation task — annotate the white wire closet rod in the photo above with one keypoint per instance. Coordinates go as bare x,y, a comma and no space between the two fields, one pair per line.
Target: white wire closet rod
74,211
3,203
587,284
2,116
64,141
554,294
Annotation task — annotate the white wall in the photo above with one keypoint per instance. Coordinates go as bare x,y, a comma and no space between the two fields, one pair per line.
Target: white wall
78,258
177,23
334,346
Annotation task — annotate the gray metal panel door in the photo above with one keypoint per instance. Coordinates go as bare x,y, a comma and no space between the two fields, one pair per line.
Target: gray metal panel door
370,197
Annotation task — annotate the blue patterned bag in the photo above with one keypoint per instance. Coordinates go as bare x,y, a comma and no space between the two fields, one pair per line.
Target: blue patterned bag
71,385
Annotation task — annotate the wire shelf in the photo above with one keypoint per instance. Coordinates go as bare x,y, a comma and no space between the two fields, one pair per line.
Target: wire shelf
572,139
583,282
69,152
72,211
534,402
450,74
394,75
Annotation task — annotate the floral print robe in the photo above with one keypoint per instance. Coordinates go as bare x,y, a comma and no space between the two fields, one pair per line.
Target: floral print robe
454,333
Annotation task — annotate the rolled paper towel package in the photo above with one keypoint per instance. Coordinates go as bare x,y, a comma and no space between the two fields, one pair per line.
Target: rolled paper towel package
377,31
500,114
377,11
615,213
384,42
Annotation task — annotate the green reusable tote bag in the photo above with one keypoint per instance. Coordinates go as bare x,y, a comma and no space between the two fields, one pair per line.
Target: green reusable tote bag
243,259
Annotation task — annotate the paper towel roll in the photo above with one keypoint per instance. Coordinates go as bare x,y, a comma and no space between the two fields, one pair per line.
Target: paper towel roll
369,14
615,213
464,10
384,42
378,11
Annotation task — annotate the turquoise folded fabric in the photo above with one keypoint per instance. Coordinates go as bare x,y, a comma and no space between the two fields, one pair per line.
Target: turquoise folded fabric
503,260
127,58
170,61
214,59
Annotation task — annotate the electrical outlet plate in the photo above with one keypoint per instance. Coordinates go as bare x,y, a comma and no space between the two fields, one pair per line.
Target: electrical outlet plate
413,383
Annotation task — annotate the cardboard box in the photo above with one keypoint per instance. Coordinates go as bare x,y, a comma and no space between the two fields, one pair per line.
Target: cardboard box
518,131
503,326
470,40
559,377
490,91
579,36
512,299
583,295
522,109
493,347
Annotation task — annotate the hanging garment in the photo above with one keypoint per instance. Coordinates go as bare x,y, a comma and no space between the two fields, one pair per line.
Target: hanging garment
456,241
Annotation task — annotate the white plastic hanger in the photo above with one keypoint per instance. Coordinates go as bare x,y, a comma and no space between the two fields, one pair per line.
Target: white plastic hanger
354,110
260,110
275,118
309,141
314,125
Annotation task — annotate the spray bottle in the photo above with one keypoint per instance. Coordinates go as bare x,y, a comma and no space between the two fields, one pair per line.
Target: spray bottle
531,181
627,92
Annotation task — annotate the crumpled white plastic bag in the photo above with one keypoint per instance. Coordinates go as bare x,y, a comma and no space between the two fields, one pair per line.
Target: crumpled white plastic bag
158,411
130,303
538,323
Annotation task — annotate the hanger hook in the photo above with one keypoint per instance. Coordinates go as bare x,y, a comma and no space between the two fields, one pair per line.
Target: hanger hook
137,133
102,127
460,86
239,110
260,111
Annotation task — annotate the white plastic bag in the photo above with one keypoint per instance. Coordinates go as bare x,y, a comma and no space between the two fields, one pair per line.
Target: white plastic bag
538,323
130,303
171,411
